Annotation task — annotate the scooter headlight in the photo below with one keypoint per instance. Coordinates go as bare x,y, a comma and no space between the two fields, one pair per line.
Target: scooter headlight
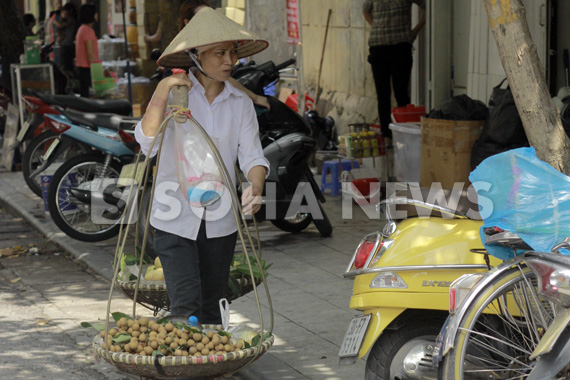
388,280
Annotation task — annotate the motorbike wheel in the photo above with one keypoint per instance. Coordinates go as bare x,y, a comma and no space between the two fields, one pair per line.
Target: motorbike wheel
385,360
149,247
33,158
294,225
500,330
79,220
323,225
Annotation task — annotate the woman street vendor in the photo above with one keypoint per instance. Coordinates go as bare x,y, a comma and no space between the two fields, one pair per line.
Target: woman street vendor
195,249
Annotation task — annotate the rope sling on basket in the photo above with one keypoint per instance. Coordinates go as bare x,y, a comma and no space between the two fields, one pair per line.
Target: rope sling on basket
201,366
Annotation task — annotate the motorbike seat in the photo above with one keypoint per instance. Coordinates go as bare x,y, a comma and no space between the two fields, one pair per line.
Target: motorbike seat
105,120
467,205
116,106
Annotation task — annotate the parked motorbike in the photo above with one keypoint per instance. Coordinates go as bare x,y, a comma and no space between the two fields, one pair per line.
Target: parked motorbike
288,143
401,279
511,322
84,179
40,137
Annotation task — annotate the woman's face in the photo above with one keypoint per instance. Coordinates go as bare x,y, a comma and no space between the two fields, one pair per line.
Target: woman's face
218,61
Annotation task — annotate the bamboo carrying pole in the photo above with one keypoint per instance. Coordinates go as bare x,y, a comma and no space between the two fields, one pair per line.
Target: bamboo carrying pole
322,58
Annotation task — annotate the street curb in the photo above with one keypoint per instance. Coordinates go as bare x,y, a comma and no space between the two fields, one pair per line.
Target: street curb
50,235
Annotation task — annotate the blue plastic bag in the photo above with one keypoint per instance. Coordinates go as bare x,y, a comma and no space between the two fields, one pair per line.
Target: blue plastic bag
520,193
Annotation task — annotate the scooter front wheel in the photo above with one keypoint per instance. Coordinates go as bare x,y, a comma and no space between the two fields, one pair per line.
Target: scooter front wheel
294,225
91,218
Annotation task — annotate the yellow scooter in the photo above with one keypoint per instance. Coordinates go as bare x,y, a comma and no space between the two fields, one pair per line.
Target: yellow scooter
401,278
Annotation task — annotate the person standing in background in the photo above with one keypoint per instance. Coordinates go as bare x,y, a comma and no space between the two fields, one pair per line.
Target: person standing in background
390,56
66,29
86,47
30,21
51,34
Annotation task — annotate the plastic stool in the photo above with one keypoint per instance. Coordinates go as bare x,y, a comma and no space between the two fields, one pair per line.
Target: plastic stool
334,167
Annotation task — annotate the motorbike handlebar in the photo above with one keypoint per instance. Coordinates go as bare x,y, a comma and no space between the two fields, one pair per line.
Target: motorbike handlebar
285,64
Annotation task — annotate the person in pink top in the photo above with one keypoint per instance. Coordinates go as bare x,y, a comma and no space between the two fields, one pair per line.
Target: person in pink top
86,49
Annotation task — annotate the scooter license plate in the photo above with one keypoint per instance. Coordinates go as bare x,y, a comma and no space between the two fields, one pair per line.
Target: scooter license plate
354,336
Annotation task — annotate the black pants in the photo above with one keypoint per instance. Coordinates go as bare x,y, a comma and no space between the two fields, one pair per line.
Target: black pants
66,56
391,63
196,272
84,75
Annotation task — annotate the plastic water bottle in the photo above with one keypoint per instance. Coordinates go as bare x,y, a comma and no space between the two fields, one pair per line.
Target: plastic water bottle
193,322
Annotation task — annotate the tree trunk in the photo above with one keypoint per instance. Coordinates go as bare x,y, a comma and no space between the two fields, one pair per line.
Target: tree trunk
169,13
507,19
11,38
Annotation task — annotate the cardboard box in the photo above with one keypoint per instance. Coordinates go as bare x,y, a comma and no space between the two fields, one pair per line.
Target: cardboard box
446,151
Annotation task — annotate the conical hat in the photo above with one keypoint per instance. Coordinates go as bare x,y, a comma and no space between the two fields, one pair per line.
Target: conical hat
209,27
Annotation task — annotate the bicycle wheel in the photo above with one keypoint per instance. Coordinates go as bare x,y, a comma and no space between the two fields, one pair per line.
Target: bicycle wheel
92,218
500,330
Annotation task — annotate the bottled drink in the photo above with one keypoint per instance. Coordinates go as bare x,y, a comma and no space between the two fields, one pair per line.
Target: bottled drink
365,142
374,144
356,145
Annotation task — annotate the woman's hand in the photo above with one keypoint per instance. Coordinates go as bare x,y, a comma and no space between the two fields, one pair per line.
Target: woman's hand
177,79
251,199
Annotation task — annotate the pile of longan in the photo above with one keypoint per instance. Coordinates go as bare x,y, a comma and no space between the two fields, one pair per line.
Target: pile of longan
169,340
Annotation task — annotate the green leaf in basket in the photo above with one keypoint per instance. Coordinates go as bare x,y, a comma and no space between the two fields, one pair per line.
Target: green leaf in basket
122,338
157,353
97,326
244,268
118,315
225,333
162,321
234,286
255,340
192,329
132,277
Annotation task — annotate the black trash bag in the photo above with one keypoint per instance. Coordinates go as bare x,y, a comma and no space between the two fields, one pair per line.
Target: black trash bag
503,129
460,107
504,125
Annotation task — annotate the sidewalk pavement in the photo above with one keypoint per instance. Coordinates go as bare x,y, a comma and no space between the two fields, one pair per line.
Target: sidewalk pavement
309,296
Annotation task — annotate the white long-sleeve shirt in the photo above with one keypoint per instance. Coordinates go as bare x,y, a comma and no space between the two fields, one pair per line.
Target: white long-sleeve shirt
231,123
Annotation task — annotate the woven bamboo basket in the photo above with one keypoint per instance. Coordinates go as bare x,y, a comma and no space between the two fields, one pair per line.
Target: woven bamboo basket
187,367
155,296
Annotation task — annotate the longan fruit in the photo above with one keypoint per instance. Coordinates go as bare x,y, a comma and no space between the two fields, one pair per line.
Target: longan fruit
210,334
155,326
102,333
197,337
148,350
178,353
200,346
154,344
182,341
133,344
142,337
143,329
205,340
219,347
127,348
225,339
216,339
162,335
173,345
190,342
130,331
239,344
168,340
130,323
140,348
192,350
205,351
112,332
136,334
169,326
143,321
184,353
210,346
122,321
161,329
228,348
185,336
164,351
136,326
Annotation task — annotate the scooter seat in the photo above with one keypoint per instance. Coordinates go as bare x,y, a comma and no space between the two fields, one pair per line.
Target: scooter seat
116,106
105,120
